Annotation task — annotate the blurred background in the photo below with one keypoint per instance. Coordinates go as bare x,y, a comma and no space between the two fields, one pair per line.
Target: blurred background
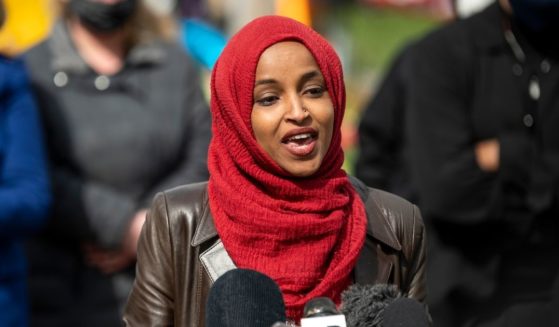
366,33
492,227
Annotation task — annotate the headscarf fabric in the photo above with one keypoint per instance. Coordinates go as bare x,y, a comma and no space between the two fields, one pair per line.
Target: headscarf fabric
304,233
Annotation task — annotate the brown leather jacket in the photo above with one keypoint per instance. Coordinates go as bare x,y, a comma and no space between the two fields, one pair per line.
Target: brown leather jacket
180,254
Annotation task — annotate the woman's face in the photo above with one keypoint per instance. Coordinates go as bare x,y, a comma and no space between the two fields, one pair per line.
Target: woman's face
292,115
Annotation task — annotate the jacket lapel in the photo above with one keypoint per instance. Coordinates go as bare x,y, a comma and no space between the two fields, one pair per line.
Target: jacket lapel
215,260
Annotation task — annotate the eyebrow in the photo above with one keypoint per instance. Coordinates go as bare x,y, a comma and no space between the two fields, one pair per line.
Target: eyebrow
265,81
310,75
306,76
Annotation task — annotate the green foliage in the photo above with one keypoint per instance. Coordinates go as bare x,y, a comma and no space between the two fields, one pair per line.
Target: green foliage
378,33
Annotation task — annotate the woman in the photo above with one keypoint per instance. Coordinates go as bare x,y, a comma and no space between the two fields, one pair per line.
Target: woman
124,118
24,188
277,200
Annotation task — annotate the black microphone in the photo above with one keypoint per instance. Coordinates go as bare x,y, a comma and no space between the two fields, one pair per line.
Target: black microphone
244,298
381,305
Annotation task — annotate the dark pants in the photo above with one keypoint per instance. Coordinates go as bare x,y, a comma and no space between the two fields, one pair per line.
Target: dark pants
528,285
484,276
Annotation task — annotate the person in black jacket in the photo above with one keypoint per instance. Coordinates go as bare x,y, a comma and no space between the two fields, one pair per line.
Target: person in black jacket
481,125
484,152
383,155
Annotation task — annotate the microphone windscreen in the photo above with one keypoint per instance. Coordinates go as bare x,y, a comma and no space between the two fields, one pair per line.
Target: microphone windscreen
405,312
242,298
363,305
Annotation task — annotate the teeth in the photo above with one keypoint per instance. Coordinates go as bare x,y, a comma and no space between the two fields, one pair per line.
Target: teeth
300,136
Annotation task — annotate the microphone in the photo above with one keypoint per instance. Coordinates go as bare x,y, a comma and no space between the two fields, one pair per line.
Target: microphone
381,305
322,312
244,298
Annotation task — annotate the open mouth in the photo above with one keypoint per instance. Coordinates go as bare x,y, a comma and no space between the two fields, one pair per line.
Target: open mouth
300,142
300,139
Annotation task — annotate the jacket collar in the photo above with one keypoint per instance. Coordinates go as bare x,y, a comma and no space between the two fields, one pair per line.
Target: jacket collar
205,229
66,57
488,30
216,261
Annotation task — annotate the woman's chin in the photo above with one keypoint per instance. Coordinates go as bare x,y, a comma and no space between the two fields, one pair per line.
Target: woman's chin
302,169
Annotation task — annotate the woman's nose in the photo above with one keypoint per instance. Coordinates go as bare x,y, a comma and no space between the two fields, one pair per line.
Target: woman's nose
297,111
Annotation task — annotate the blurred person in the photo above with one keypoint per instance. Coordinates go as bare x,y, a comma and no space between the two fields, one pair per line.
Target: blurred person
202,41
277,201
205,42
124,118
481,128
24,188
459,274
383,158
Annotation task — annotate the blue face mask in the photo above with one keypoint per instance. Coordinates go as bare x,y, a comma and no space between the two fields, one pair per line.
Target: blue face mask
537,15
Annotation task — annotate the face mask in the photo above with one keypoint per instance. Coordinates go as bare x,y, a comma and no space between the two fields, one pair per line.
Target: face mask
537,15
103,17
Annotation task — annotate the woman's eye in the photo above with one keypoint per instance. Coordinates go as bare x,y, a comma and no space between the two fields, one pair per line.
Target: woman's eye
267,101
315,92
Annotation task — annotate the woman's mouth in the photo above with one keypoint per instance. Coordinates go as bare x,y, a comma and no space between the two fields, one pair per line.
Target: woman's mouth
300,143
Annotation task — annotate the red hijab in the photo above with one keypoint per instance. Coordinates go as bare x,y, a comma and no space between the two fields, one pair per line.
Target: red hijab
305,233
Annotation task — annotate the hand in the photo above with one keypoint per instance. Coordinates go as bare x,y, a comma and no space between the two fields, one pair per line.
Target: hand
110,261
487,155
107,261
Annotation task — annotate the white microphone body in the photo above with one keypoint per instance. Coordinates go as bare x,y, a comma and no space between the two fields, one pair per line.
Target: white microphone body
324,321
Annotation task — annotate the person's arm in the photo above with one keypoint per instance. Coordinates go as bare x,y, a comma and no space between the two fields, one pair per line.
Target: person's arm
451,184
88,210
24,187
151,300
381,136
111,260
